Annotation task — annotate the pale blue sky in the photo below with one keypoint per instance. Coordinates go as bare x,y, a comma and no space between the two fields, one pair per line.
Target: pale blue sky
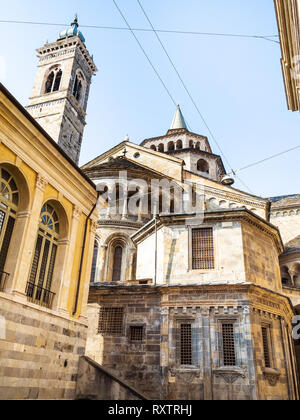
236,82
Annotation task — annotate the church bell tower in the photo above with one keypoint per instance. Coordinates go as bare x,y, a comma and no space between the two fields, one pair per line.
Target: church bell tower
61,89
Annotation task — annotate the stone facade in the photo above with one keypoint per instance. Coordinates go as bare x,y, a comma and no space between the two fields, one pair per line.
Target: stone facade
243,290
39,352
153,366
43,295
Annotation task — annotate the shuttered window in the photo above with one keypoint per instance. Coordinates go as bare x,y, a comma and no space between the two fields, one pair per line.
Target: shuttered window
43,262
229,358
202,249
9,201
117,264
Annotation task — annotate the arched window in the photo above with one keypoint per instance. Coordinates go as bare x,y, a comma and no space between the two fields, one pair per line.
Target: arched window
153,148
78,86
161,148
53,80
57,81
117,263
202,166
171,146
43,263
94,263
191,144
197,145
9,201
179,145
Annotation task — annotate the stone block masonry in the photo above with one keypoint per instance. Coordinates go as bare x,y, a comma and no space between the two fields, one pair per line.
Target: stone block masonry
39,352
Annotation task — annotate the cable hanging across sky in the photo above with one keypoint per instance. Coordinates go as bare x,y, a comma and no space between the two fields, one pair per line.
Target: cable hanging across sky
167,31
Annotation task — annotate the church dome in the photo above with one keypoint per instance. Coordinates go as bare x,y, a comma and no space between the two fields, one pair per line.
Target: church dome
72,31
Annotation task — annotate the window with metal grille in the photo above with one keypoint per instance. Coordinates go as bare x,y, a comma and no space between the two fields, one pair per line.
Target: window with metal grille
229,358
266,347
111,320
6,241
186,344
202,249
136,333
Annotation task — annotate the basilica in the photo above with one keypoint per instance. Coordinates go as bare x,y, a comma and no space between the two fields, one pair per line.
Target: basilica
144,274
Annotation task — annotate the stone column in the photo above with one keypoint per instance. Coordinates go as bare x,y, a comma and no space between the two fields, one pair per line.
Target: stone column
29,238
164,351
206,349
66,270
129,270
86,275
102,261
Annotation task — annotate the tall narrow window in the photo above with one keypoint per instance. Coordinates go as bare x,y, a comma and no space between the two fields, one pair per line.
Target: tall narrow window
186,344
203,249
94,263
9,201
229,358
43,263
78,86
57,81
117,264
266,346
53,80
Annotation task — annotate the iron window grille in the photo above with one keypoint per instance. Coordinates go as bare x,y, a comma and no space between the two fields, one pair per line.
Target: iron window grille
136,333
111,321
203,249
186,344
266,346
229,357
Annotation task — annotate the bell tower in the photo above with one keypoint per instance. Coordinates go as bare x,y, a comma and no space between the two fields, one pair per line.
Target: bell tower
61,89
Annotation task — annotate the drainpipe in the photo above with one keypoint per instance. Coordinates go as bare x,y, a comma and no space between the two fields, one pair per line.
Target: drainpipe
82,256
268,210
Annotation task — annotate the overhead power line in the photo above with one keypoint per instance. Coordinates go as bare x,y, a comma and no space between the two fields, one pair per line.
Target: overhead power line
265,160
146,55
168,31
187,90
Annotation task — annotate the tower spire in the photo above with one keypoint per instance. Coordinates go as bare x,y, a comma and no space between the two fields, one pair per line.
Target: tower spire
178,120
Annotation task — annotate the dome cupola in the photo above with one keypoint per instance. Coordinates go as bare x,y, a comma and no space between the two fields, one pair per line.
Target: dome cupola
72,31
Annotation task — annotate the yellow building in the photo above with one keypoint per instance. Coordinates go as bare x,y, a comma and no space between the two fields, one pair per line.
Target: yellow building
288,18
47,228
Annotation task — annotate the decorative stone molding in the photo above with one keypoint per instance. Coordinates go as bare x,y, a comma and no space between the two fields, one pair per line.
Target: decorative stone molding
164,311
271,375
94,227
230,375
185,375
41,182
76,213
